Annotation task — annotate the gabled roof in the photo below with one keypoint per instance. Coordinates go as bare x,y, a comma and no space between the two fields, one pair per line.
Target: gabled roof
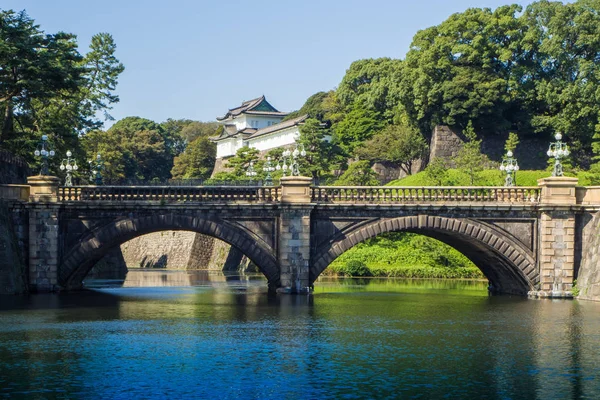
278,127
258,106
251,133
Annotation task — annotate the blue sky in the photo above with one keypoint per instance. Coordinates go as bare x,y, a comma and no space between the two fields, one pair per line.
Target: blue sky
195,59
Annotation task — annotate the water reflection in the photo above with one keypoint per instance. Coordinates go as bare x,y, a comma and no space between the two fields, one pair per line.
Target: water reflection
228,339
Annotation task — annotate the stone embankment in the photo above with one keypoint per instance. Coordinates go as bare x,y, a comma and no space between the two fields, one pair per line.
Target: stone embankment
12,270
588,277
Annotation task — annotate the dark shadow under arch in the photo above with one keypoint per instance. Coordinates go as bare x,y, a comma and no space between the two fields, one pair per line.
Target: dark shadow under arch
80,259
509,266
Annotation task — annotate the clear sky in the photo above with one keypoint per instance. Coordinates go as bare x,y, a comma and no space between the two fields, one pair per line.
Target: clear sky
197,58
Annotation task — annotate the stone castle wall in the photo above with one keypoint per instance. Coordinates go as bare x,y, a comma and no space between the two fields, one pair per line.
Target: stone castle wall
530,152
12,266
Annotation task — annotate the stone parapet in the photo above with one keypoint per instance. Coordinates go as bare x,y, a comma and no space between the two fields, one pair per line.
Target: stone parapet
295,189
558,190
43,188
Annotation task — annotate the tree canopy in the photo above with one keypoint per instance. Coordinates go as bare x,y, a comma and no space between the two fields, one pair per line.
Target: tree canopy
48,87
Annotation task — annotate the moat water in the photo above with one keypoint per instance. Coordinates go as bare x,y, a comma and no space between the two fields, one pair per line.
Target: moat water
223,337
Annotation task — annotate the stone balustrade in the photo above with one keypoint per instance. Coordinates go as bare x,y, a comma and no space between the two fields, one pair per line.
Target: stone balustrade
413,194
169,194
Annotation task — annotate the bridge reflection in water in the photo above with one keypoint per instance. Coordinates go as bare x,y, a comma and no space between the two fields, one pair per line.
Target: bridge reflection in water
140,277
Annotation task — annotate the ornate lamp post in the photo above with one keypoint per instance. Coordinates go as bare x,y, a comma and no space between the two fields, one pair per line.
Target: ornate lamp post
510,166
251,173
96,167
281,165
292,157
558,150
42,151
70,165
268,168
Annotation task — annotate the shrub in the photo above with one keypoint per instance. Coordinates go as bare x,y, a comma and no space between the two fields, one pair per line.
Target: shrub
356,268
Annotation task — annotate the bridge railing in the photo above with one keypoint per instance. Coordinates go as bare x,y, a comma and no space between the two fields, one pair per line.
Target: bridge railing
435,194
169,194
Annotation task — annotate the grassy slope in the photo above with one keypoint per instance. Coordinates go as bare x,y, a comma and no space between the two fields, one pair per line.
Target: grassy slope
408,255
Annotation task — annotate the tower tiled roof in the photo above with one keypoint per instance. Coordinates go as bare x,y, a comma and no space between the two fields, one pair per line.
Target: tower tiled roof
258,106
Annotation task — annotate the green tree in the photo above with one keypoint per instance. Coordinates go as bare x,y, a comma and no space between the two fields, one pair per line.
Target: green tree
358,174
33,66
197,161
511,142
320,153
397,144
437,171
47,86
374,84
133,149
469,157
241,161
461,70
357,126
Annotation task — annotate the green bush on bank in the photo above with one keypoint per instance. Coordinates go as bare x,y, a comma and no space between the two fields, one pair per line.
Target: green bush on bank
490,177
406,255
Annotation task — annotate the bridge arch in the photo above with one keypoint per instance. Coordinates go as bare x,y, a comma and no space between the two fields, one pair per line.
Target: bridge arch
509,265
94,245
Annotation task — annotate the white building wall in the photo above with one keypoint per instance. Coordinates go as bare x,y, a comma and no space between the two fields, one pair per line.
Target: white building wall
254,121
276,139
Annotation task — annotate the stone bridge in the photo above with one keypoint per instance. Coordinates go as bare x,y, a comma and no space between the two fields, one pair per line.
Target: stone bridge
524,239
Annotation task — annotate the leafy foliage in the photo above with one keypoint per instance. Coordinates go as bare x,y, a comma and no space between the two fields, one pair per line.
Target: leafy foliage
397,144
374,84
321,155
197,161
401,254
357,126
358,174
241,161
469,157
48,87
512,142
437,172
133,149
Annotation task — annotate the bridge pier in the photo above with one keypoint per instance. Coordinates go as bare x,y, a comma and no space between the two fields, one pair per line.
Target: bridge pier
43,233
294,235
557,237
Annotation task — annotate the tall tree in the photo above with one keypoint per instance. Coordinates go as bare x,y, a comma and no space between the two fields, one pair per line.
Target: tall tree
461,70
373,83
397,144
48,87
358,125
197,161
321,154
134,149
358,174
469,157
33,66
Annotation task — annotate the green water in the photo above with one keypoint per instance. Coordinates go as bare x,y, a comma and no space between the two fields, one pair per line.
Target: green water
224,337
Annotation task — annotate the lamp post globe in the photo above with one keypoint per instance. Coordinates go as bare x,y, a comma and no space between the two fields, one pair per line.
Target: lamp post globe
558,150
43,150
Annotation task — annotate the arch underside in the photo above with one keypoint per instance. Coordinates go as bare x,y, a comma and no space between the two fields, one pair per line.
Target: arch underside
80,259
509,265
